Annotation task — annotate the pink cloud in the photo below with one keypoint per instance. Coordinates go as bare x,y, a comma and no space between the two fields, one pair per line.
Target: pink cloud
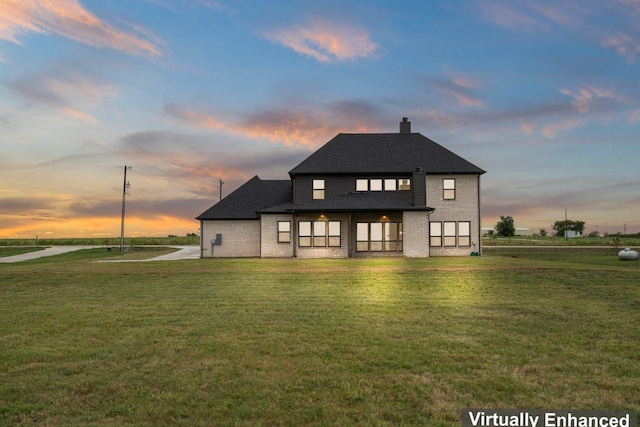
326,42
294,126
623,44
586,97
70,19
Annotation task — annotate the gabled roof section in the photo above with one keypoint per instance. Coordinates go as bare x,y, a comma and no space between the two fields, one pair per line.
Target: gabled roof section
248,199
383,153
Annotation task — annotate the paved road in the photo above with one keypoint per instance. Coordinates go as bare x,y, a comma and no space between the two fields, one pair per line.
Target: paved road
54,250
184,252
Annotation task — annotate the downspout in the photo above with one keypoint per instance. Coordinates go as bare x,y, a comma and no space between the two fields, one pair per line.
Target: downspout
479,221
295,235
428,232
201,240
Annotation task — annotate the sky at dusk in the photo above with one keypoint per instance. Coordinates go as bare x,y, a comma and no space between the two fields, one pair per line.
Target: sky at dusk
543,95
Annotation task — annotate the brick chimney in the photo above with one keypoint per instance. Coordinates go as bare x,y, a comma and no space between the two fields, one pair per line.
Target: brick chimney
405,125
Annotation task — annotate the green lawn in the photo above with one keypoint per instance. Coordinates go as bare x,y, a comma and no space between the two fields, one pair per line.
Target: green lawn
315,342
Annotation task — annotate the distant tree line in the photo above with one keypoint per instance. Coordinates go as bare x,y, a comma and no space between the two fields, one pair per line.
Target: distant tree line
505,227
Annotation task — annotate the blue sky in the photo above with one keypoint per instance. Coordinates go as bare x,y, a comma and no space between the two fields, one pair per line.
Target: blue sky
544,95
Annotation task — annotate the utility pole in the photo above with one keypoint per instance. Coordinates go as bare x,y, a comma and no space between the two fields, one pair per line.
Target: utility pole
125,189
221,182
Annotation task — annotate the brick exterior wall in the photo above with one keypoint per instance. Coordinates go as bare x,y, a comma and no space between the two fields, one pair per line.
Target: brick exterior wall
240,238
325,252
269,246
465,207
416,234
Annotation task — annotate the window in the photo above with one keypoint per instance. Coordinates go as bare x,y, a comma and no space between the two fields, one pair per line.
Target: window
390,185
284,232
318,189
392,236
362,185
304,233
315,234
449,188
379,236
334,233
444,233
450,233
464,233
362,237
375,237
435,234
379,184
319,233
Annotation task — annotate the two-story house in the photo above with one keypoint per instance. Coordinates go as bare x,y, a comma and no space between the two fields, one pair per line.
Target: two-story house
359,195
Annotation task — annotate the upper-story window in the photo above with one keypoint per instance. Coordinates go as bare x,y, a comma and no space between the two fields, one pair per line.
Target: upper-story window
362,185
449,188
390,184
318,189
378,184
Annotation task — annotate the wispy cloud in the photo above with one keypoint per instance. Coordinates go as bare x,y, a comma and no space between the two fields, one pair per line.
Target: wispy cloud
461,88
587,98
68,18
624,44
69,91
294,125
326,42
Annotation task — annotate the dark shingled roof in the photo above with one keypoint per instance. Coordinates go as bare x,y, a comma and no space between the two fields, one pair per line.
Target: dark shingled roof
349,202
383,153
253,196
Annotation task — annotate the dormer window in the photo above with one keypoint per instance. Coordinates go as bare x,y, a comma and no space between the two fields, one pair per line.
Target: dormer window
318,189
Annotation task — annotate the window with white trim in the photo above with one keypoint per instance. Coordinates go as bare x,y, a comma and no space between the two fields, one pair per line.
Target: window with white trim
362,185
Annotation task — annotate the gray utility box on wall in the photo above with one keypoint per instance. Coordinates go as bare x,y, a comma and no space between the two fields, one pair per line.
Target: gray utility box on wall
217,240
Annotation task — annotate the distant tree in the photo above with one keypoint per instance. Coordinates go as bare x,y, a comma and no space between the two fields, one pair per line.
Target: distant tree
543,232
594,234
505,227
567,225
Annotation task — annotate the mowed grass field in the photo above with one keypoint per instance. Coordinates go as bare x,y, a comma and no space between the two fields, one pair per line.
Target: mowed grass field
289,342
